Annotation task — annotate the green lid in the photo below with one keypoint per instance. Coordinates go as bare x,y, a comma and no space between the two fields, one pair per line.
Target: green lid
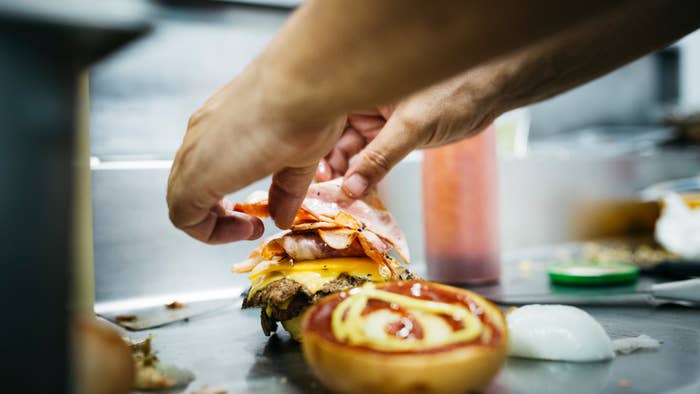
593,273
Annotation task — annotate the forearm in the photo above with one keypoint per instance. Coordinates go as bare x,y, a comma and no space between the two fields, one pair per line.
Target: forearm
580,54
337,55
466,103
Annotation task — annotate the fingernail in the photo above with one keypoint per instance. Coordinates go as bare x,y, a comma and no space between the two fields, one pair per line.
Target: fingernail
355,185
322,167
322,172
258,230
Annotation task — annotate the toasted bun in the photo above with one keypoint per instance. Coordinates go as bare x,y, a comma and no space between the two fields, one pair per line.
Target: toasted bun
350,369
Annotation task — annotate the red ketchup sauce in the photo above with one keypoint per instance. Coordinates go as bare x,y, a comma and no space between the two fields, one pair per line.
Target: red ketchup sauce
319,320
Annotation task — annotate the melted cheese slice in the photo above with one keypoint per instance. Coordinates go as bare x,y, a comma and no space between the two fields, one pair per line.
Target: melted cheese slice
314,274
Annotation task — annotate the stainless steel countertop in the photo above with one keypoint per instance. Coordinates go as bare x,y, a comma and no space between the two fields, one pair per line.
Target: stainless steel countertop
227,348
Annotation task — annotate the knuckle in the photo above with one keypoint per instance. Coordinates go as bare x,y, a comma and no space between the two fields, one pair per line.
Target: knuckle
377,160
174,217
193,120
170,201
196,118
287,191
173,201
176,213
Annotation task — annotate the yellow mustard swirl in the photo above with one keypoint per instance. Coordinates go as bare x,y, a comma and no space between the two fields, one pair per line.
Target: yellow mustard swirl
348,323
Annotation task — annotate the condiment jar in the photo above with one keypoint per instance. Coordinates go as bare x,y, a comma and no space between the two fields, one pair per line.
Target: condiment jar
460,205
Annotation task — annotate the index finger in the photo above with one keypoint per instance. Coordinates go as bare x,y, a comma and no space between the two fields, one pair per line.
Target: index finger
229,227
287,192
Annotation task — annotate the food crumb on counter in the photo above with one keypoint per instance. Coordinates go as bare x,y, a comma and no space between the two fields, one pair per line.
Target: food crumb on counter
632,344
624,383
150,373
206,389
175,305
146,374
125,318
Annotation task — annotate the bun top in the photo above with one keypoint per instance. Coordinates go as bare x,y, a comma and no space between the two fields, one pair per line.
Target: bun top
407,317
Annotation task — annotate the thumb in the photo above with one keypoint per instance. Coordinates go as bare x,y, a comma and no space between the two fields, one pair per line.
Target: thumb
368,167
287,192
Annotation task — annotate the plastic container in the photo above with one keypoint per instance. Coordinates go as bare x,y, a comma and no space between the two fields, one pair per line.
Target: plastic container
460,205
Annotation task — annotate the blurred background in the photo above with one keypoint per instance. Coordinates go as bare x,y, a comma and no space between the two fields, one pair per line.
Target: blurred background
571,168
95,101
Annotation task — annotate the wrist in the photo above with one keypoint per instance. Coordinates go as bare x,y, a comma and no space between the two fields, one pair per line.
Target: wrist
481,90
462,106
290,117
287,95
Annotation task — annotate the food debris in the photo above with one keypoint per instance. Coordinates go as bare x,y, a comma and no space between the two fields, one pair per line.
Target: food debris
175,305
206,389
632,344
146,375
624,383
142,346
125,318
149,373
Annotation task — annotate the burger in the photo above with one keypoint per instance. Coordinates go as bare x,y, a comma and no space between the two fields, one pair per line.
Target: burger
335,243
405,337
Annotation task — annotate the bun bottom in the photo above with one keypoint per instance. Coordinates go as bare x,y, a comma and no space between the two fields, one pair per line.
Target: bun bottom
347,369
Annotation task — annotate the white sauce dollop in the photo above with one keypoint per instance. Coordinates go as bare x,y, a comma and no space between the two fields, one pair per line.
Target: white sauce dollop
557,332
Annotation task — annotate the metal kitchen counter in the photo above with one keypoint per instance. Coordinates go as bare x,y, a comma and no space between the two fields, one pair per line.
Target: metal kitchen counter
227,348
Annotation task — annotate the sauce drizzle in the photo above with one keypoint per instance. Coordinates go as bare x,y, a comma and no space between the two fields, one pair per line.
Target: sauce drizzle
407,326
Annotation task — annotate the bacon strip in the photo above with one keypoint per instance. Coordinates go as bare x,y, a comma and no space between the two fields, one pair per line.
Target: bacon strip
324,203
256,256
338,239
329,224
301,247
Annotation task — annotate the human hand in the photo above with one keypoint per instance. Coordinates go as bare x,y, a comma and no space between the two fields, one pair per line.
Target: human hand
240,135
360,129
376,140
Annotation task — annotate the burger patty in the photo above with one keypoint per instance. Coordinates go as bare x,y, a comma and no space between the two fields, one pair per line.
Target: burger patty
286,299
